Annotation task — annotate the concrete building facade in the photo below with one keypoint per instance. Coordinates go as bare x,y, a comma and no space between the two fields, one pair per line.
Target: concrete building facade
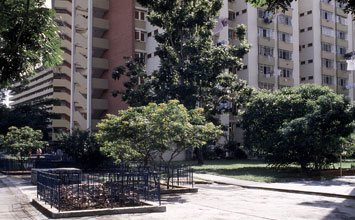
305,44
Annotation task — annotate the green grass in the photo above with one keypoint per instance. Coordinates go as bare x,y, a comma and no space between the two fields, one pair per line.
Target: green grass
258,171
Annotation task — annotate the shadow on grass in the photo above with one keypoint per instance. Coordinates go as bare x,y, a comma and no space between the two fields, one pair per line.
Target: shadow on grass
263,174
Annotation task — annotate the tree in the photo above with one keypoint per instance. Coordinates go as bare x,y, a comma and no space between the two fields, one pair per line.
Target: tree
284,4
305,125
192,67
28,38
36,115
82,146
22,141
141,133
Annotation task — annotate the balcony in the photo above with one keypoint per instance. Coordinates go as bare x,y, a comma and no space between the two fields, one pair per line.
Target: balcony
265,78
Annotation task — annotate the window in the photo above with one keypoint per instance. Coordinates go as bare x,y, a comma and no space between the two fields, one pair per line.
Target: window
327,31
266,69
327,15
342,66
262,13
327,63
302,14
237,13
149,56
310,61
286,72
342,35
310,44
328,2
341,50
244,11
303,78
310,77
140,15
140,36
309,29
303,62
283,19
141,56
302,30
340,4
285,37
149,34
342,20
327,47
266,51
231,15
230,34
156,53
264,32
309,12
268,86
328,80
342,82
285,54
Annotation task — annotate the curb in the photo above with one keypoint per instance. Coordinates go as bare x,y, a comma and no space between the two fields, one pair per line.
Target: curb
54,214
285,190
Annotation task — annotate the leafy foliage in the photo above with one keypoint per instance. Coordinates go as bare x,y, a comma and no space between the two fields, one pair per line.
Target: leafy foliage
192,68
142,133
82,146
305,125
21,141
34,114
28,38
284,4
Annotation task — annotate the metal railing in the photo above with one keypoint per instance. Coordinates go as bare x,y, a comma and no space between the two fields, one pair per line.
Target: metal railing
179,175
98,190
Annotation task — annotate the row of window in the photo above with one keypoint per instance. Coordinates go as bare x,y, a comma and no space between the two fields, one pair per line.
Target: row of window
141,35
269,52
327,15
327,31
232,15
337,3
267,16
268,71
269,33
330,48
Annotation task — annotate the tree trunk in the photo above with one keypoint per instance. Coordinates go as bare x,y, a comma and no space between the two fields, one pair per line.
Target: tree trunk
199,156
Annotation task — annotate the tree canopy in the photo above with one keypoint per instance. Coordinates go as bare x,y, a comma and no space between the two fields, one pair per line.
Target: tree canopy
284,4
28,39
192,66
22,141
36,115
144,133
307,126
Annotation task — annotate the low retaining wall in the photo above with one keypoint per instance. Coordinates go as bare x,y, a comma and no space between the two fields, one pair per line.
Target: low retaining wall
54,214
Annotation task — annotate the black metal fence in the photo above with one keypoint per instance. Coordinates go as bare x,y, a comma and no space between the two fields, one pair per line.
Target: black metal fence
179,175
97,190
11,163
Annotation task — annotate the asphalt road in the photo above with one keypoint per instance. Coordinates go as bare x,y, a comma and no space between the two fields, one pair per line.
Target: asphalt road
220,202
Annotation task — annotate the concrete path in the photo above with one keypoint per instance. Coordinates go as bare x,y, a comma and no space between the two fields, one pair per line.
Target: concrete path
14,204
341,187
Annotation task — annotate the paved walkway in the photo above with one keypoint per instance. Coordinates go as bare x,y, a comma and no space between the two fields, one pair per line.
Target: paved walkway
341,187
14,204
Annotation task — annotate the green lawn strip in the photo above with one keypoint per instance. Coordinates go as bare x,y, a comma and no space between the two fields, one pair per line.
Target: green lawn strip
258,171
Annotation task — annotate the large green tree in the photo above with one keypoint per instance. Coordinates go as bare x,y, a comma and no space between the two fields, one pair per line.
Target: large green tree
36,115
82,146
143,133
284,4
307,126
192,67
28,38
22,141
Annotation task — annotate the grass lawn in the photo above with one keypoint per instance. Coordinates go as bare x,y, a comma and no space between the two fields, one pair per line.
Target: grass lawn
255,170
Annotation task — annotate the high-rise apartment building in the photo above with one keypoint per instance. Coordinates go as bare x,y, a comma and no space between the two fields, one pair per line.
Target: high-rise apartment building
305,44
326,35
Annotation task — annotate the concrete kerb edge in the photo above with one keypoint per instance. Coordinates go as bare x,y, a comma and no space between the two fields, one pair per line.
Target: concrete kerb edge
285,190
50,212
